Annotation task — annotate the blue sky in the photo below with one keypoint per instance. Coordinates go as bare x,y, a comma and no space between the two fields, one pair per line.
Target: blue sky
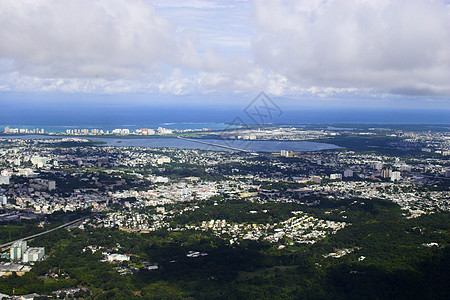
378,53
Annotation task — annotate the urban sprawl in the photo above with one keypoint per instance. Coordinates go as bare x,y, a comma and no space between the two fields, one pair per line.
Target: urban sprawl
142,190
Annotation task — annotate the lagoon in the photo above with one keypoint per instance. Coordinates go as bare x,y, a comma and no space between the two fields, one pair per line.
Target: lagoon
251,145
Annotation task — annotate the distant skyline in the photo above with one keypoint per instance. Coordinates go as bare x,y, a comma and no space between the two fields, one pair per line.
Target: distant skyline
321,54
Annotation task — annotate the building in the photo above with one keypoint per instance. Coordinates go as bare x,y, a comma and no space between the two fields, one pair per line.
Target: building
117,257
162,130
336,176
33,254
6,172
147,131
285,153
7,268
119,131
17,249
405,167
395,176
377,166
163,160
316,179
25,172
386,173
51,185
4,180
4,200
348,173
11,130
160,179
39,162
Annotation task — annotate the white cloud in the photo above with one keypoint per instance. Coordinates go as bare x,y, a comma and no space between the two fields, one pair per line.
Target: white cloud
321,48
105,46
401,46
90,39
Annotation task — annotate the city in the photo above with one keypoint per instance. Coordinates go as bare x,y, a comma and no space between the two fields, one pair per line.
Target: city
238,149
285,198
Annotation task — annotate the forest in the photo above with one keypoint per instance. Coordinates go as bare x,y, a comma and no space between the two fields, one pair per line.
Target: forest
398,263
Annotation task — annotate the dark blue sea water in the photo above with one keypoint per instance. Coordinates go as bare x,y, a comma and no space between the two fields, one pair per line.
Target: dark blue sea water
182,118
77,111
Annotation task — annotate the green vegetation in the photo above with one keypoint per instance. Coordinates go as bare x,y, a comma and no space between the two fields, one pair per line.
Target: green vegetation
180,170
13,232
381,144
396,264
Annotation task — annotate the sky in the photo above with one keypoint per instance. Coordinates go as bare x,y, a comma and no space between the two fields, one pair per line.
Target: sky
347,53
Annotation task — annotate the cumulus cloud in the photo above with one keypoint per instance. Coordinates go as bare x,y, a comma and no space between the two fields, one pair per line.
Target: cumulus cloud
398,46
312,47
105,46
91,39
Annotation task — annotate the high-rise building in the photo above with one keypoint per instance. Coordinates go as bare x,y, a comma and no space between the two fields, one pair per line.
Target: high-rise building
162,130
395,176
17,249
386,173
285,153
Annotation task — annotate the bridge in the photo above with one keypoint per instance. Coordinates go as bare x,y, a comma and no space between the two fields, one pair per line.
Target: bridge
215,145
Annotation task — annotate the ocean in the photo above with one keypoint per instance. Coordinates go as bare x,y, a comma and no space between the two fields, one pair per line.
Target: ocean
57,116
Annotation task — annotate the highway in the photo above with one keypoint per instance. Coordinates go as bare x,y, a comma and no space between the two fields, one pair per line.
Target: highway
7,245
